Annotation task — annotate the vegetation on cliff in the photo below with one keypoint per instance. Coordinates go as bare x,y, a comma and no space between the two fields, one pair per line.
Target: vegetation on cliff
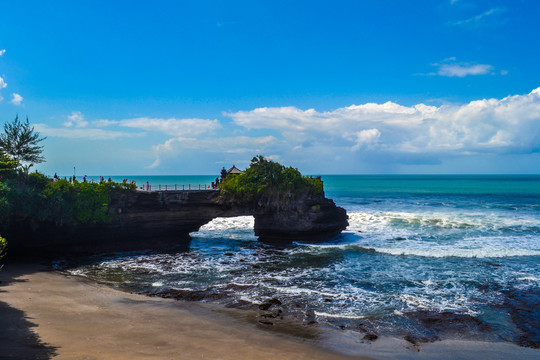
3,246
34,200
38,200
266,181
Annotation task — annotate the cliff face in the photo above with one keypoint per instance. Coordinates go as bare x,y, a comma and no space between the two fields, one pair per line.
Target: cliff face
152,220
306,218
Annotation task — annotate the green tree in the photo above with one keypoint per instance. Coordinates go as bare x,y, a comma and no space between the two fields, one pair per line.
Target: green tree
7,166
21,142
267,181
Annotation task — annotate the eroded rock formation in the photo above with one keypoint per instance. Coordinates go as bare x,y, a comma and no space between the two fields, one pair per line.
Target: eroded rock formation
153,220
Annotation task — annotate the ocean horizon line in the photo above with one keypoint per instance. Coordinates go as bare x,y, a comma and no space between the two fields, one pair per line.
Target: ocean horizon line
317,174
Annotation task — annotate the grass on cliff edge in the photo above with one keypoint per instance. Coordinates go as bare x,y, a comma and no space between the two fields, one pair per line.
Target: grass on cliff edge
268,181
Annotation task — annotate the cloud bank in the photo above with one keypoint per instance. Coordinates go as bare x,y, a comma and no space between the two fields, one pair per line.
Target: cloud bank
370,133
508,125
172,126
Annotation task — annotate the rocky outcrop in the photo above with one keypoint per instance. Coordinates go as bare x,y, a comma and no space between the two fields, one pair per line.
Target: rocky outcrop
153,220
306,218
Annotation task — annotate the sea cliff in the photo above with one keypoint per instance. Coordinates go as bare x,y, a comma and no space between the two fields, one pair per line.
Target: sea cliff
159,219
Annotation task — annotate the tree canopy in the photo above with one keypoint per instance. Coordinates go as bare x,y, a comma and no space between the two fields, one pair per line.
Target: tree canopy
267,180
21,143
7,165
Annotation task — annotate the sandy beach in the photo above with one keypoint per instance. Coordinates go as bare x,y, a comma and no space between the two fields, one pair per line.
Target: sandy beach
46,314
50,315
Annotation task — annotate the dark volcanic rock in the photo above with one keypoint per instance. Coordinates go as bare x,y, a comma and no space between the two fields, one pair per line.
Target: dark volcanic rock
266,305
156,220
306,218
370,337
523,305
449,321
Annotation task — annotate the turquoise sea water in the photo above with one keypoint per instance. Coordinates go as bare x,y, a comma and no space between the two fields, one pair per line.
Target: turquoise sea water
424,257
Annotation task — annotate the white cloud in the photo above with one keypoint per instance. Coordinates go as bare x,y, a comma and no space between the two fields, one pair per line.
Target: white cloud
2,52
364,138
222,145
3,84
492,16
104,123
174,127
78,127
82,133
494,126
449,67
462,70
76,119
17,99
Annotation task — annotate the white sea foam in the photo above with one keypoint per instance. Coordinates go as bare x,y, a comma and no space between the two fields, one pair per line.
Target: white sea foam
77,272
230,223
417,248
339,316
382,220
449,233
463,253
296,291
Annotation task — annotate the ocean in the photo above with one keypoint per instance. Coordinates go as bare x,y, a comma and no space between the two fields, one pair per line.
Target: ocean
425,258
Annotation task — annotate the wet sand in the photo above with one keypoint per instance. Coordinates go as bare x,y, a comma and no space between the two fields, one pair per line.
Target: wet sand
49,315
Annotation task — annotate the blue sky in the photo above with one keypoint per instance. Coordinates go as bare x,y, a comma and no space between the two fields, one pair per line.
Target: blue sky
358,87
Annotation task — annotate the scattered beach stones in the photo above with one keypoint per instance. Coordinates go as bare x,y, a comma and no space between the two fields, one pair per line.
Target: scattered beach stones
310,318
269,303
270,312
370,337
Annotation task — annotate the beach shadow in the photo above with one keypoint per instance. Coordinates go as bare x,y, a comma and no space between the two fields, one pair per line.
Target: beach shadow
17,340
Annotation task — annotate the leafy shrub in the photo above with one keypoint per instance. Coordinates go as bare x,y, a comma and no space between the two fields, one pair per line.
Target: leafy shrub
91,203
266,180
3,246
38,181
40,200
8,166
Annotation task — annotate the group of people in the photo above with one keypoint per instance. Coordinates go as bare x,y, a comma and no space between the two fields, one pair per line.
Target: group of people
71,179
102,180
147,186
215,183
125,181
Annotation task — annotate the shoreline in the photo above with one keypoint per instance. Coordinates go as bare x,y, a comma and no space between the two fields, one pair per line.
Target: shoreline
62,316
77,319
